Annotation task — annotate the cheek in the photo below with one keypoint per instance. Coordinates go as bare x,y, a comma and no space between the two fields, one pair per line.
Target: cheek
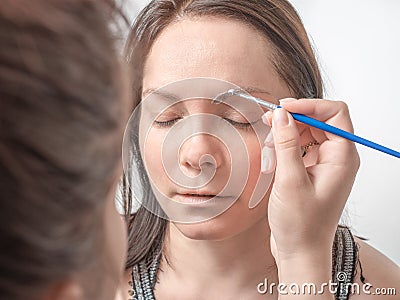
254,156
258,186
152,154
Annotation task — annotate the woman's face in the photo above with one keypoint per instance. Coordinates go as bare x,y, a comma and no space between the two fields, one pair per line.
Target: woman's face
226,50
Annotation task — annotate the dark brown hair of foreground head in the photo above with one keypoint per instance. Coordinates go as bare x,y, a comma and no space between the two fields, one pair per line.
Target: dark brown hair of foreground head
62,115
293,59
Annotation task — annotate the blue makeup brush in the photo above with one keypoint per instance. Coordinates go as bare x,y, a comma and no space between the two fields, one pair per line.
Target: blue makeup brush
309,121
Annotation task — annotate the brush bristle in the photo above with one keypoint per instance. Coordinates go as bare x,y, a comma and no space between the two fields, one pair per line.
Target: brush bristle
223,96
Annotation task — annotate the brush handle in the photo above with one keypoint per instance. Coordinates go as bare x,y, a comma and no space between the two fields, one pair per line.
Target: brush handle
347,135
318,124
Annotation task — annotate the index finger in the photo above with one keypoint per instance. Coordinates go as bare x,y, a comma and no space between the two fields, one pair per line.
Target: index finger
335,113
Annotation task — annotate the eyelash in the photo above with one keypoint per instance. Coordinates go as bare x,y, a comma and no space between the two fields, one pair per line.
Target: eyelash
169,123
240,125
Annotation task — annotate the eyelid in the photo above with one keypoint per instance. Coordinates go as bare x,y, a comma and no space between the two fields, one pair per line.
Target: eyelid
246,117
167,123
169,114
242,125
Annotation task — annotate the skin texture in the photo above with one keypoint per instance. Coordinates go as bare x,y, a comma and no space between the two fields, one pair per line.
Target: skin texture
229,255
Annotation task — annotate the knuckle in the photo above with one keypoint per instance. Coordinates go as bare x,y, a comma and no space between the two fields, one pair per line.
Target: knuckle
344,114
357,160
343,107
352,156
285,141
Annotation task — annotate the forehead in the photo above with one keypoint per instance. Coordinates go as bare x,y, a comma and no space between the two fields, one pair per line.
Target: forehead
212,47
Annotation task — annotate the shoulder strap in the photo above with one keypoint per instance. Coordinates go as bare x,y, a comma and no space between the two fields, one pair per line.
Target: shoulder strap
144,279
344,258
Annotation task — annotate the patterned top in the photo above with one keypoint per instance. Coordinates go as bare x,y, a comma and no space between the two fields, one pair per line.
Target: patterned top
344,261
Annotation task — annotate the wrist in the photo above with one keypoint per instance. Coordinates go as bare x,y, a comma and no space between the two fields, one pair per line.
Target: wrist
311,269
311,255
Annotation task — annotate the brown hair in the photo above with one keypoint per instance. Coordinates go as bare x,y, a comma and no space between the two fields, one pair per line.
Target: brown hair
61,123
293,60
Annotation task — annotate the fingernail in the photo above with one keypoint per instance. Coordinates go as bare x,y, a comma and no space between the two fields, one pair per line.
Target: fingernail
267,117
269,140
264,159
287,100
281,118
268,160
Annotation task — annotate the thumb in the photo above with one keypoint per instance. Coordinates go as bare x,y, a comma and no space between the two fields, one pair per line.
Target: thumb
289,162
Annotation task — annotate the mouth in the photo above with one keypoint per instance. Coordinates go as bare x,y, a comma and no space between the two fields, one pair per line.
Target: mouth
195,198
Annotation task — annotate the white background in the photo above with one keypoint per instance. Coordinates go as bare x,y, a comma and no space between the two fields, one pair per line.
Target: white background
357,43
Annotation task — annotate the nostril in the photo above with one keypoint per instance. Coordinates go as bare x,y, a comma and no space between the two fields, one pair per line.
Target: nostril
207,160
189,170
192,165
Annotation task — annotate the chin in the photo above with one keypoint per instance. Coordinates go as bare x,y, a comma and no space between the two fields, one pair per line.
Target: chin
216,229
234,221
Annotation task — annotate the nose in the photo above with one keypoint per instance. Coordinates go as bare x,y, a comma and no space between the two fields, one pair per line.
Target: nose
200,151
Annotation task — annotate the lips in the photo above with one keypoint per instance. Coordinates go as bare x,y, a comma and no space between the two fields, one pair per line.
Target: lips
200,193
198,197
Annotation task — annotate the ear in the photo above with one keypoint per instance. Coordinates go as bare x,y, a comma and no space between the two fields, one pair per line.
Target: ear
67,290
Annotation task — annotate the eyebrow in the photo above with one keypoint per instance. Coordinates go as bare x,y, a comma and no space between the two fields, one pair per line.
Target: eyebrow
169,96
251,89
156,91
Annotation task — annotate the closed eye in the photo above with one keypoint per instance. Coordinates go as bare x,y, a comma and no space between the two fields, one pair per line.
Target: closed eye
168,123
171,122
243,125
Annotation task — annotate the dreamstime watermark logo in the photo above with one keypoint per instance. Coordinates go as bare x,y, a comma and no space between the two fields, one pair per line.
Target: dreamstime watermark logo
341,276
341,284
161,150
